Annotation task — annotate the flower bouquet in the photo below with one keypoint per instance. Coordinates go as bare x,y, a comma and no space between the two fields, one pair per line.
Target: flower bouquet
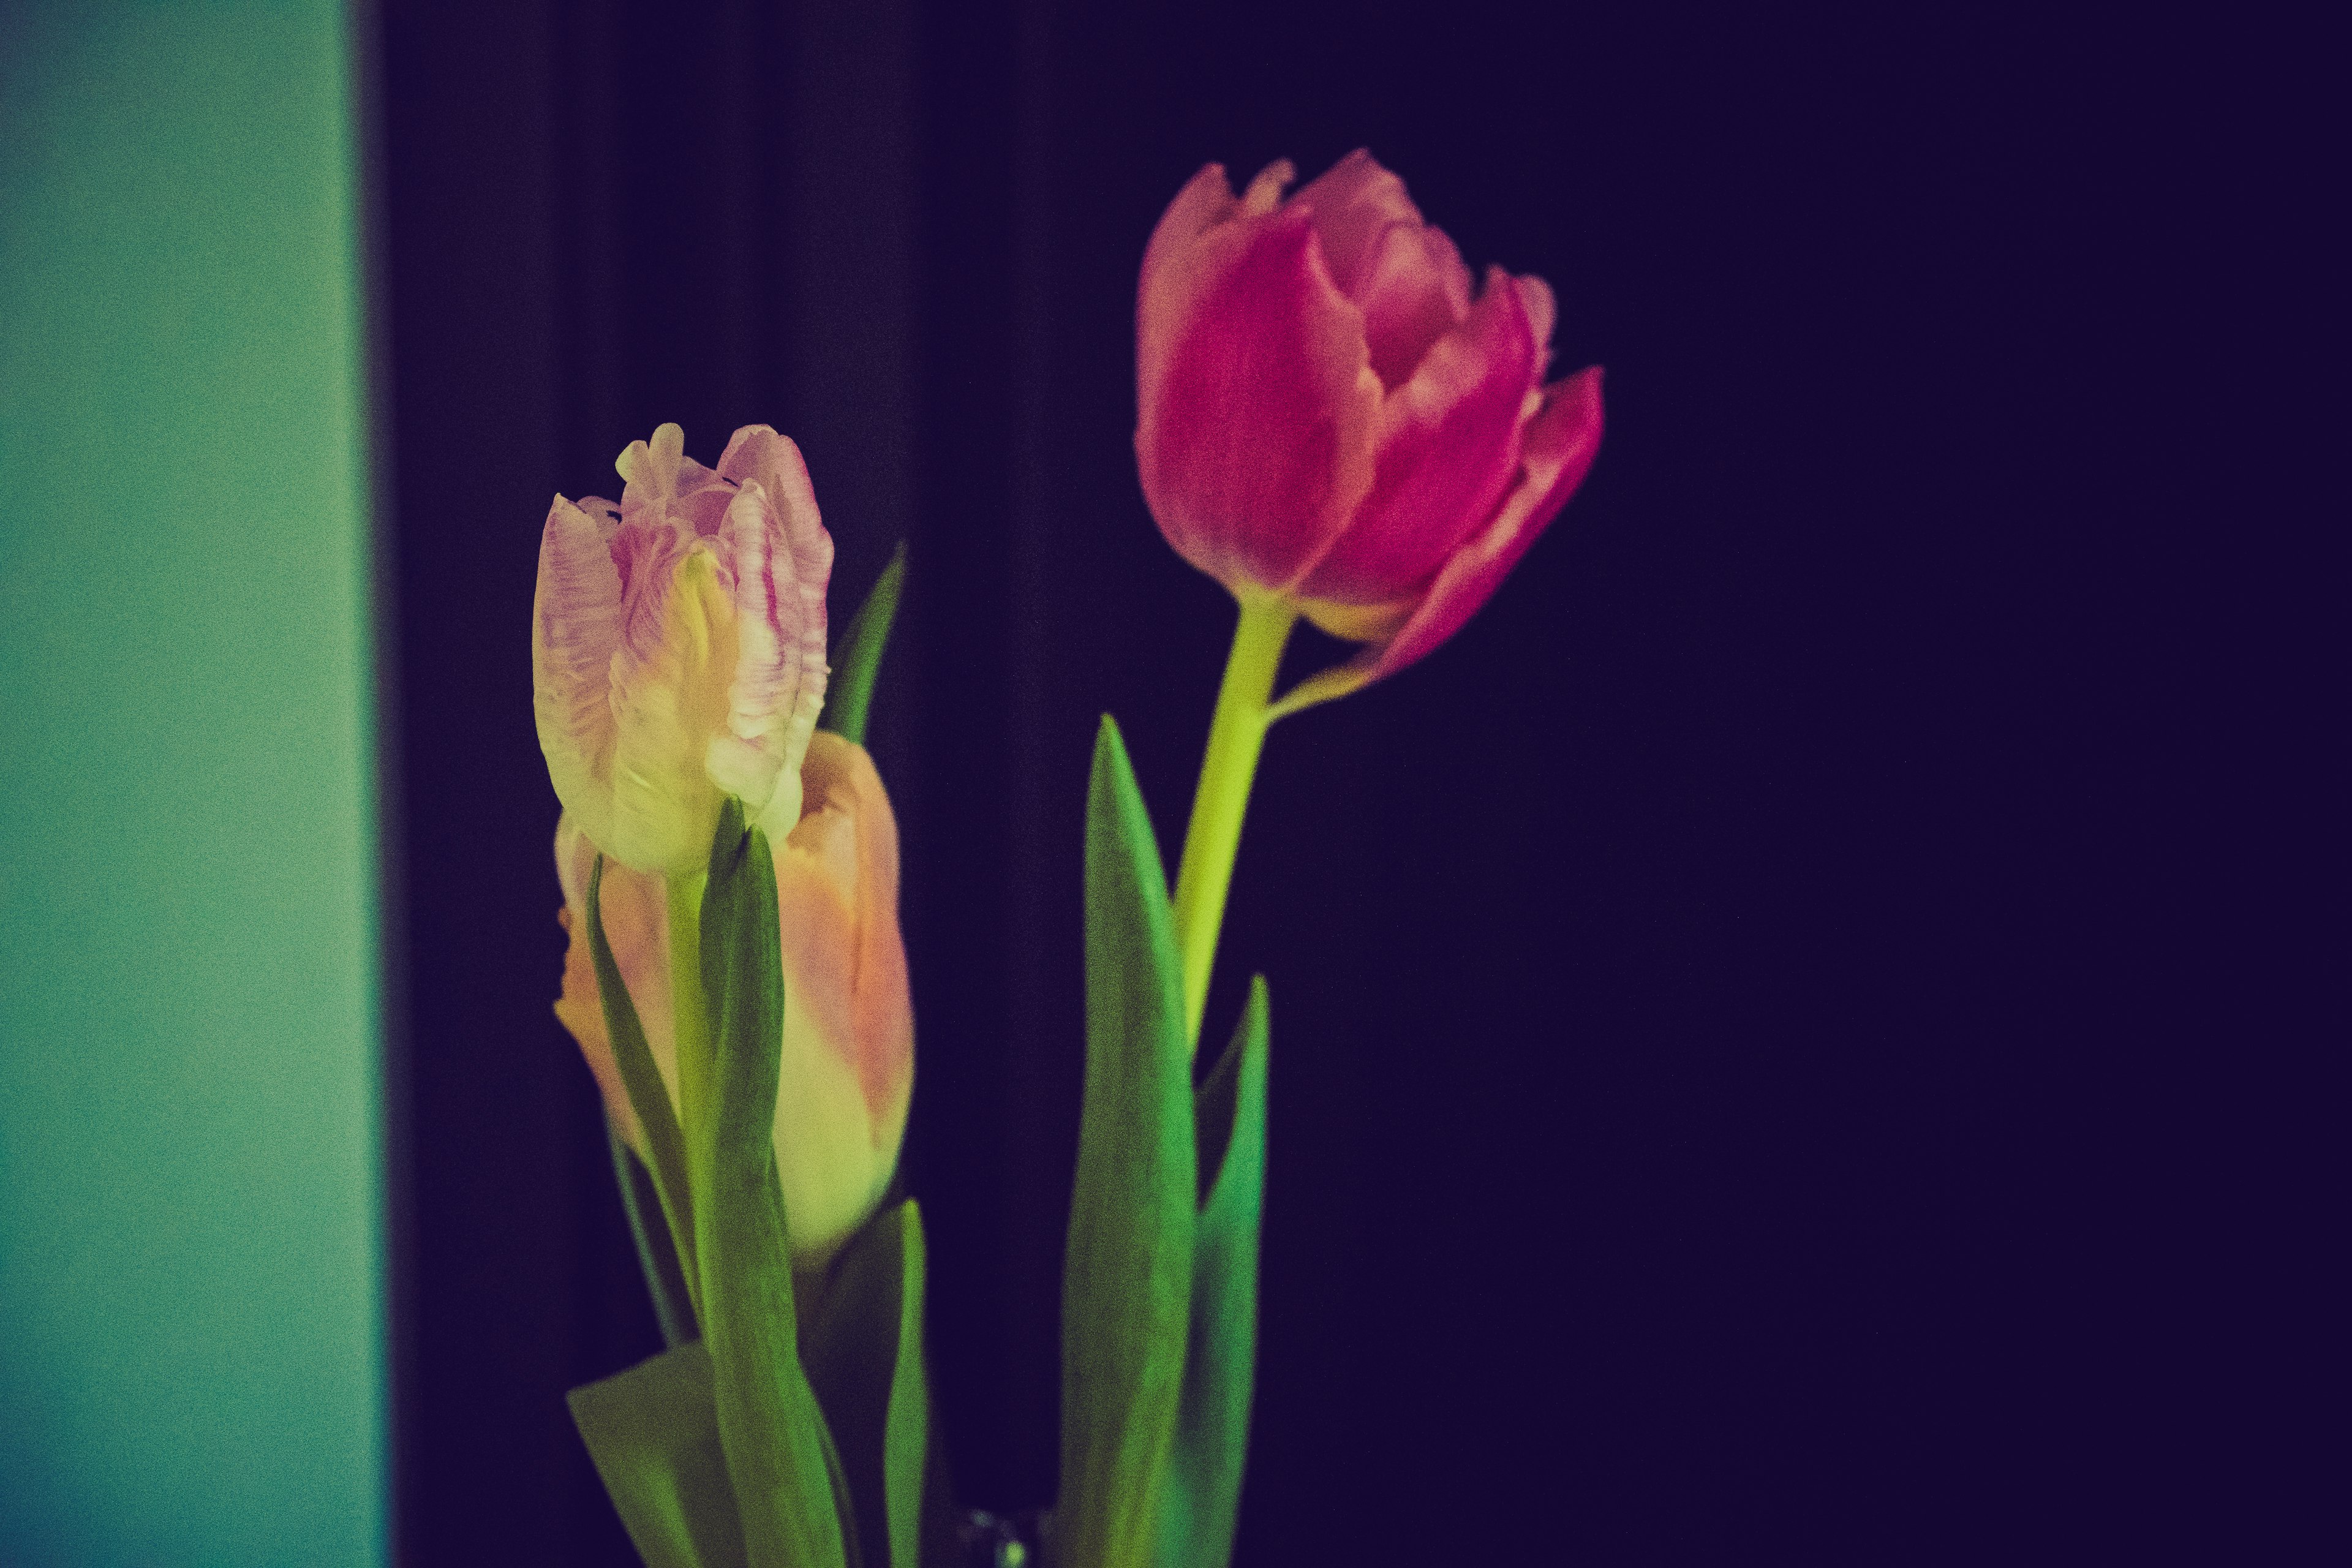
1334,423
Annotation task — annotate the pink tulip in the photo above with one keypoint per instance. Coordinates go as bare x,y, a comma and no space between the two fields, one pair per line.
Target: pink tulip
677,646
1327,415
848,1054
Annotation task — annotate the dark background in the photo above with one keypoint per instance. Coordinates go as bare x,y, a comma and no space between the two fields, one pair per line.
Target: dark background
1748,1013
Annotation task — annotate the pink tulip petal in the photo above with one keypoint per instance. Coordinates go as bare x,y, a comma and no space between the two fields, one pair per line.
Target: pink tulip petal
1253,435
575,628
779,682
646,549
1405,276
1179,264
666,489
1265,188
650,469
701,508
1194,241
1557,451
698,497
746,758
1353,204
1448,447
758,454
783,559
1535,294
1413,291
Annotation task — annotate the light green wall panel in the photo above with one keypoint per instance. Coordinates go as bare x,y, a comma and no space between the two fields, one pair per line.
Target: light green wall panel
191,1250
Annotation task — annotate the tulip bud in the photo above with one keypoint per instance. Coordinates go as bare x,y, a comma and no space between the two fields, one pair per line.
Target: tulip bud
1327,414
847,1062
678,647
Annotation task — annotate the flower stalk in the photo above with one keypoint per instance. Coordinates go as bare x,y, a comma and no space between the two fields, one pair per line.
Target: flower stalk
1236,735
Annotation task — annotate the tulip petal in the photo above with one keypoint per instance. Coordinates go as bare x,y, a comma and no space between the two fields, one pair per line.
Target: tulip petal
1449,445
650,468
1353,204
847,1071
1359,622
746,758
575,628
669,697
1406,277
702,500
838,881
1266,187
779,676
579,1010
636,926
757,454
1412,290
782,568
1179,264
1256,404
827,1161
648,552
1534,297
1557,453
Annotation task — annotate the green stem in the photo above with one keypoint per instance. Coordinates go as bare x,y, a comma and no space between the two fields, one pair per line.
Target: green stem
1236,733
689,1017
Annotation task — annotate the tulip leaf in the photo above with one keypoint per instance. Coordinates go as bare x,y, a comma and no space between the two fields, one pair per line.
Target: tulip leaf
653,1431
647,1096
1126,1284
865,1356
1202,1500
656,1253
851,689
777,1448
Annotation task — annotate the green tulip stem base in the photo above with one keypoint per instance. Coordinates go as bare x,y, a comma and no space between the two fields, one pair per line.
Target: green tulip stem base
1236,734
688,1015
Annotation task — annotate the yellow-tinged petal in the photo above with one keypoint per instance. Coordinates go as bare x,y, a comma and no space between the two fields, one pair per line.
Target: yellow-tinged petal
828,1164
849,1027
1358,623
668,699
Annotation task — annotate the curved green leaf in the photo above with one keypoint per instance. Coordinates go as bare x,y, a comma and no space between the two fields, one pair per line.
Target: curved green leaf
653,1431
1127,1282
850,691
907,1434
865,1358
1203,1498
643,1081
656,1253
769,1422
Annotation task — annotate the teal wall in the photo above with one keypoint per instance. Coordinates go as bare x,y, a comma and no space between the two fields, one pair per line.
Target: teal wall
191,1248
